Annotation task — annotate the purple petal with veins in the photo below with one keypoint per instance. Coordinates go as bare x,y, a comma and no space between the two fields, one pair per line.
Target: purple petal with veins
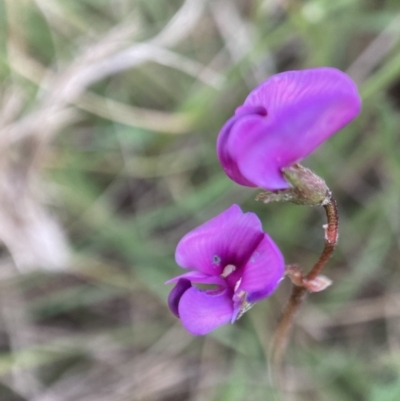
232,254
228,238
282,121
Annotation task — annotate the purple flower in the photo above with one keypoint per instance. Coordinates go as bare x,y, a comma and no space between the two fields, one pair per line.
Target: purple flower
232,255
282,121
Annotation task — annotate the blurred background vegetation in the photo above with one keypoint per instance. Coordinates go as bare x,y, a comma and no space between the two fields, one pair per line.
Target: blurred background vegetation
109,112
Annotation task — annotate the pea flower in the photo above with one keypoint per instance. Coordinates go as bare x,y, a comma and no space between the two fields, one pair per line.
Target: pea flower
231,254
282,121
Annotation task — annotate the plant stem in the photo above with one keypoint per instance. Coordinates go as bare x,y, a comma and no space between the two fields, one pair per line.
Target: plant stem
299,293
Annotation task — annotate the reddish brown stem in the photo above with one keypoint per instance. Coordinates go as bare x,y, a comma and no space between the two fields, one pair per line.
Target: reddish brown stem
299,293
331,239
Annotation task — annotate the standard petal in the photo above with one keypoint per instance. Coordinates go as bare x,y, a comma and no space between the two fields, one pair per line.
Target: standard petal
304,87
303,109
263,271
176,294
229,238
202,312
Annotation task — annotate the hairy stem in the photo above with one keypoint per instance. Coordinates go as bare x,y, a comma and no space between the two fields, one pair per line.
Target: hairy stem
299,293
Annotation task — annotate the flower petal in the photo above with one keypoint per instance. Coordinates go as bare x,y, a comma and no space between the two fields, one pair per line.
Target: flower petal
303,109
176,294
263,272
229,238
202,312
228,162
255,154
199,277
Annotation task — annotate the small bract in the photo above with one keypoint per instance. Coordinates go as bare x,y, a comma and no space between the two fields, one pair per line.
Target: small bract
236,259
282,121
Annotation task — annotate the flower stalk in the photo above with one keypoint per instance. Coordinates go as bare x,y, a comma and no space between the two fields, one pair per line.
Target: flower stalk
302,287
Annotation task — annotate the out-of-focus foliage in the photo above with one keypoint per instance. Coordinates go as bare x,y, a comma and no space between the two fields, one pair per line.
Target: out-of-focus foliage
108,119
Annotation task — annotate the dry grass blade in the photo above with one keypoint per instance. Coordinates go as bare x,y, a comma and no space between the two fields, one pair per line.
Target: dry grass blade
376,51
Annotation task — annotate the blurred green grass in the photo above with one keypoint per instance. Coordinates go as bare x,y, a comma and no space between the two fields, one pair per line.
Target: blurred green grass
132,168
